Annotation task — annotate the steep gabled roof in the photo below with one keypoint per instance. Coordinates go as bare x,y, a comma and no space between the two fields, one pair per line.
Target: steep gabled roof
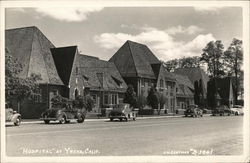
134,60
162,73
32,49
195,74
64,60
100,75
184,80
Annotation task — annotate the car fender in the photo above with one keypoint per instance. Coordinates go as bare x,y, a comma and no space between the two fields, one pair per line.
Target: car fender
61,113
14,117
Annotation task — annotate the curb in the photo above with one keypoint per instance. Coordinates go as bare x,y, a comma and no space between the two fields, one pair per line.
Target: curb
107,119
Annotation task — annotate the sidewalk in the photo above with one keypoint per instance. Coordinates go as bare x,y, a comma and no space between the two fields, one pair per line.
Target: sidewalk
35,121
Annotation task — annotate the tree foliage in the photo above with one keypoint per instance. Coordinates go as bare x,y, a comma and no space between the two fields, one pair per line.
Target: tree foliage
59,101
130,97
153,98
234,60
213,56
233,57
162,100
17,87
186,62
84,102
142,101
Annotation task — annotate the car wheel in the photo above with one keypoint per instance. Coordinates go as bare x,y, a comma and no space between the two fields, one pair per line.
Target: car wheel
46,121
228,114
62,120
68,121
126,119
201,115
111,119
18,121
80,119
185,115
133,119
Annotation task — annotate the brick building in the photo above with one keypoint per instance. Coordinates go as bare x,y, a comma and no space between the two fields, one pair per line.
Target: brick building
197,76
141,68
84,74
32,49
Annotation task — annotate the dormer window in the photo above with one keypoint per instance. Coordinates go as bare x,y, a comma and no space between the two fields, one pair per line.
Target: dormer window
117,81
85,78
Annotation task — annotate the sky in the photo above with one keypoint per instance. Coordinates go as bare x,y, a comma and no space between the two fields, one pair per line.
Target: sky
169,32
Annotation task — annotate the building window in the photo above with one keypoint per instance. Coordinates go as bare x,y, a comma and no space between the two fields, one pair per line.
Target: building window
37,95
143,82
76,70
94,98
106,99
114,99
166,84
161,83
55,92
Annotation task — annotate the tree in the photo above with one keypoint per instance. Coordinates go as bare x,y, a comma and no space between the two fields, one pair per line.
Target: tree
162,101
84,102
189,62
17,87
171,65
211,93
233,58
59,101
142,101
153,98
213,56
186,62
130,96
196,93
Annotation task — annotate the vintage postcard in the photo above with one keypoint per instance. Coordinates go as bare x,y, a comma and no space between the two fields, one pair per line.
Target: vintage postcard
125,81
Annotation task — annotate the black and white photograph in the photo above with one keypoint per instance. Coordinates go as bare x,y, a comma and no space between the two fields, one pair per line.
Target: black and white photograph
125,81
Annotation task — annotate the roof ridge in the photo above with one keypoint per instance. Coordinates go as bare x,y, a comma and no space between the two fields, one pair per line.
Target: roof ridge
18,28
76,51
32,42
65,47
132,58
46,67
44,35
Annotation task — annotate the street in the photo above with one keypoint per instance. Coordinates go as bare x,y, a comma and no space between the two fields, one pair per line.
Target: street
161,136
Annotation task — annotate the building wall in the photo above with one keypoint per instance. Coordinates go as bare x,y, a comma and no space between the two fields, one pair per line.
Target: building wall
39,102
184,102
106,99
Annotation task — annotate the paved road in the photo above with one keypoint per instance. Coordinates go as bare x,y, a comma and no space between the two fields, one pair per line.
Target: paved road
166,136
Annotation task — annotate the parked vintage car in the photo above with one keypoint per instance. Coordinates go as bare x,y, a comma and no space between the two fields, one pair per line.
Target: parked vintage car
63,114
221,110
122,112
237,110
193,111
12,116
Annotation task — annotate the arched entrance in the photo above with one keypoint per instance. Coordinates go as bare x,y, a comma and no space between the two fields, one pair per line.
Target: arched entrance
76,93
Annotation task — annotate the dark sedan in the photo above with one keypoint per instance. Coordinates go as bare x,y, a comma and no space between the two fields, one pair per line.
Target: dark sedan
221,110
63,115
